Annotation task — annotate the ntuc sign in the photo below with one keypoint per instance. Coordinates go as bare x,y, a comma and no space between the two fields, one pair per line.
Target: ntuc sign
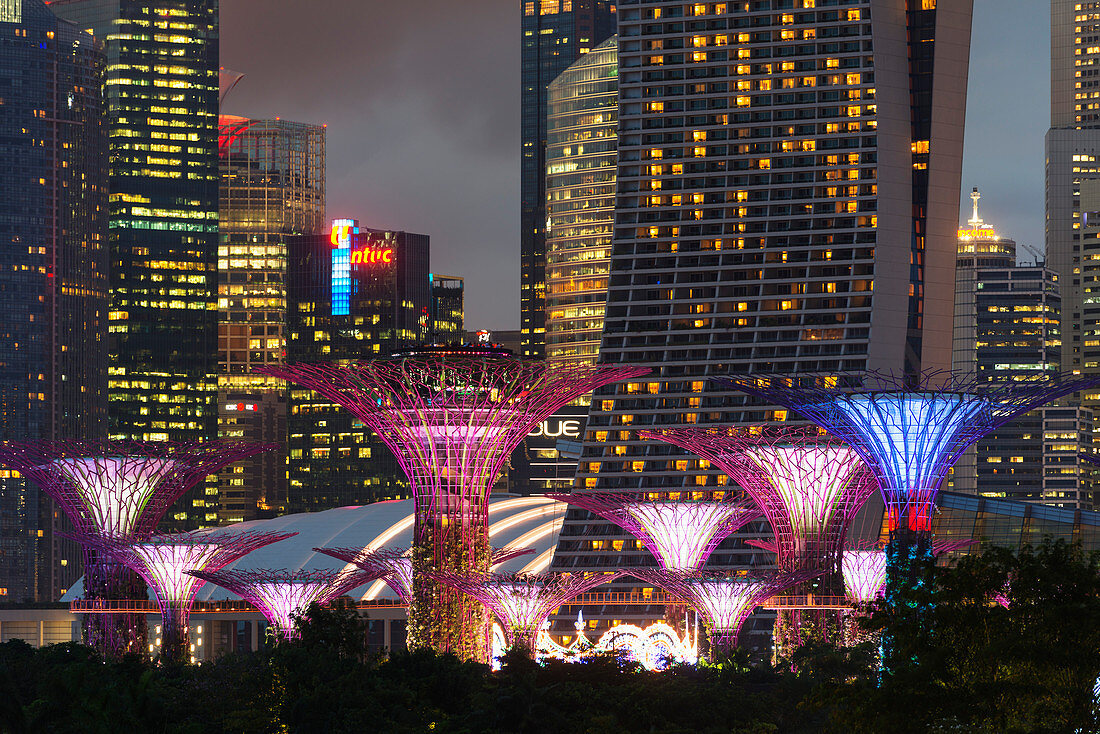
372,254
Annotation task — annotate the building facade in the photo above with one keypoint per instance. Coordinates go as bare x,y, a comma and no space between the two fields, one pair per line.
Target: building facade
53,276
272,187
555,34
352,293
448,310
162,101
787,186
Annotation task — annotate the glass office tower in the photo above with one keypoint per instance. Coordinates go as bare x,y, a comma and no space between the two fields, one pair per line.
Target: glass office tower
53,276
555,34
272,187
162,101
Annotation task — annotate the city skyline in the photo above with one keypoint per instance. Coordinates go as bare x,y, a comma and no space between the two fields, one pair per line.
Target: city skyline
385,99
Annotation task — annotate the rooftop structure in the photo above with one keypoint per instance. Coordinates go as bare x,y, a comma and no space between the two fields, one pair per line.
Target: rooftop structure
164,561
680,533
524,603
284,596
117,488
396,563
724,601
451,417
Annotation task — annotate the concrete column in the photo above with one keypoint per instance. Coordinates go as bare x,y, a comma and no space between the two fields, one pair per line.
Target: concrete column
255,626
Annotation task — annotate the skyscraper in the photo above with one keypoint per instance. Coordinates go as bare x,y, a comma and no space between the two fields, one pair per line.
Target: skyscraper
53,275
779,163
272,187
555,34
353,293
162,100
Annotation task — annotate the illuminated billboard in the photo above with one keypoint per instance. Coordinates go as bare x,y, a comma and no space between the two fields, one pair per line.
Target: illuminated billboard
348,250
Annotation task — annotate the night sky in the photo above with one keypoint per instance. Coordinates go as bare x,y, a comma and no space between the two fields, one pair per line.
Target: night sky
421,99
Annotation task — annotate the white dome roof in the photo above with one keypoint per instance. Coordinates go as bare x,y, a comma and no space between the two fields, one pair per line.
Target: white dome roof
524,522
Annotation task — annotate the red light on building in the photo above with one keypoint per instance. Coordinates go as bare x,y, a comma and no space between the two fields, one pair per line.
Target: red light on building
379,255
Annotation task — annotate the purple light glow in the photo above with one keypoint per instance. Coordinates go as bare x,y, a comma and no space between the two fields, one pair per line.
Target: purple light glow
681,534
451,417
864,574
809,486
523,603
164,562
282,595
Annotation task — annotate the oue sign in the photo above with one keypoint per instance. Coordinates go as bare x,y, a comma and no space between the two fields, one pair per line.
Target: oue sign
559,428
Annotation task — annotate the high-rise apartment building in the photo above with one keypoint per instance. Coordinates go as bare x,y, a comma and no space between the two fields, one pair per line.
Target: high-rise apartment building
162,101
352,293
53,275
555,34
788,183
272,187
448,319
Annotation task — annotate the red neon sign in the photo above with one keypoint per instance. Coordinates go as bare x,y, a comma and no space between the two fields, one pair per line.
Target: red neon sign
372,256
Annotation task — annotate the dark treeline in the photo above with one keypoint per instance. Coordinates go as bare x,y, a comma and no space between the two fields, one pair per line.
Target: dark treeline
962,665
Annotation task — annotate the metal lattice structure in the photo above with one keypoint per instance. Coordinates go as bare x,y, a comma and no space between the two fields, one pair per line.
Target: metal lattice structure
724,601
864,568
451,418
164,562
523,603
908,430
118,488
395,564
809,486
282,595
680,533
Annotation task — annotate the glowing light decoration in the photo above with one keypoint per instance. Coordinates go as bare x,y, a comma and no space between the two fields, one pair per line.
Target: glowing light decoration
909,430
282,595
395,564
681,534
523,603
342,230
654,647
118,488
164,561
722,600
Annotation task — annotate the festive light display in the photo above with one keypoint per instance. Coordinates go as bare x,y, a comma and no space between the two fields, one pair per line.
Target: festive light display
722,600
118,488
282,595
523,603
908,431
680,533
451,417
164,561
395,564
653,647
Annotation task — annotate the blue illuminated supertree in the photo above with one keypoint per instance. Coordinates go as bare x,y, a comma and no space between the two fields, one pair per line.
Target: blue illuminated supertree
909,431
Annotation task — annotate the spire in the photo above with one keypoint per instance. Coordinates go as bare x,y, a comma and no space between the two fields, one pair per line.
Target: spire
975,221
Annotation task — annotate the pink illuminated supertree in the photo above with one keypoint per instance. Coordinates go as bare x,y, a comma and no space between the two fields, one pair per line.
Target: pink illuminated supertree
680,533
451,417
864,567
164,562
522,602
283,596
118,488
395,564
724,601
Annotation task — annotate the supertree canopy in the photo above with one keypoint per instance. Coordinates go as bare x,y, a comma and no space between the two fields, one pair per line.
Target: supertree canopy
864,567
395,564
164,562
909,431
118,488
283,595
523,603
680,533
809,486
451,417
723,601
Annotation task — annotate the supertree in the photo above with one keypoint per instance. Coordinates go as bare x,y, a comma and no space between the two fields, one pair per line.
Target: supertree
724,601
451,417
909,431
118,488
680,533
864,567
809,486
395,564
164,562
283,595
521,602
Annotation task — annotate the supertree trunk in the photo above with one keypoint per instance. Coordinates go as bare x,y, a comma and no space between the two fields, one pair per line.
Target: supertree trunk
113,634
721,643
175,638
796,627
440,617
